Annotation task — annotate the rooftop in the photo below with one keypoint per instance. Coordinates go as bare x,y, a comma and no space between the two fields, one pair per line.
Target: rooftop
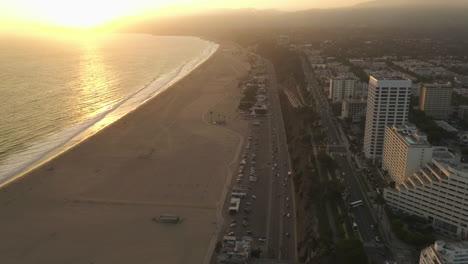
411,134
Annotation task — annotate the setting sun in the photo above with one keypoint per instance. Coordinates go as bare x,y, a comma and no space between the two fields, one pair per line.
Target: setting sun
83,14
89,14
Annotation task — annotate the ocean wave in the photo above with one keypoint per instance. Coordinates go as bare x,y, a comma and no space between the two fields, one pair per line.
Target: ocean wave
39,153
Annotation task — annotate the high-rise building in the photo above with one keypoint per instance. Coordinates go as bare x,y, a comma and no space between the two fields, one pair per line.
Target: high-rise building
342,88
434,100
406,149
387,104
445,253
438,193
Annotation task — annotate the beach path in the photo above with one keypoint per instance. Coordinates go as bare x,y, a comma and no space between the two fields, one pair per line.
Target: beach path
94,203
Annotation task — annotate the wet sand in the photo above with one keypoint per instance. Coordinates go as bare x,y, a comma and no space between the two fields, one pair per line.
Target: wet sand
94,203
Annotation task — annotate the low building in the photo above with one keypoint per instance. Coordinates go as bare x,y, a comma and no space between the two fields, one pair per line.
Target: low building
446,126
463,112
354,109
461,81
235,251
437,192
445,253
406,149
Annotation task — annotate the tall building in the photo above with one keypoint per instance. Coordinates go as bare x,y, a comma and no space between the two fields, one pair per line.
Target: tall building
434,100
406,149
342,88
387,104
438,192
445,253
354,109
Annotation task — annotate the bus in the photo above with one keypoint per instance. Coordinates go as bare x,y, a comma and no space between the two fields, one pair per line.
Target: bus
356,203
234,205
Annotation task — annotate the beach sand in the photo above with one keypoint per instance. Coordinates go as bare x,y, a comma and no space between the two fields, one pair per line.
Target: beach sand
94,203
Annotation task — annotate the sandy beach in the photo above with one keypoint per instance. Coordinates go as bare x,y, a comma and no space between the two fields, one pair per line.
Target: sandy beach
94,203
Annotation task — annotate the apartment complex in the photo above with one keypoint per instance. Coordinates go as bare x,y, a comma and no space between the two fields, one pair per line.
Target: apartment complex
406,149
434,100
354,109
342,88
445,253
437,192
387,104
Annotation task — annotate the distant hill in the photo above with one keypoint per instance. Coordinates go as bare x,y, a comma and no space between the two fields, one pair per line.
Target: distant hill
374,14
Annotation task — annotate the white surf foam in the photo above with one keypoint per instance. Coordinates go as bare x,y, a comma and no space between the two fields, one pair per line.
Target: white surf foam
43,151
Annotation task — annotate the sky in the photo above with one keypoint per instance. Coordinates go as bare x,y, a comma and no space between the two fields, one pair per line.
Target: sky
91,13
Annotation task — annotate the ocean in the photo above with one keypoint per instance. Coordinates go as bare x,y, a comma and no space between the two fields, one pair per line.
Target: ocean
56,91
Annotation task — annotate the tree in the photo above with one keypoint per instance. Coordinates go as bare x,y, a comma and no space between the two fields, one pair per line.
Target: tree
256,253
326,161
351,251
218,247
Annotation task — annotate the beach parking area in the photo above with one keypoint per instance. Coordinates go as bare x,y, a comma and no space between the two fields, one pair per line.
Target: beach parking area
94,203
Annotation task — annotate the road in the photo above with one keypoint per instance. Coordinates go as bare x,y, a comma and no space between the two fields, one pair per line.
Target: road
267,212
282,225
336,142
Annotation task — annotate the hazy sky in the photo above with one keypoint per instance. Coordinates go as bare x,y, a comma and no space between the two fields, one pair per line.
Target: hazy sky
88,13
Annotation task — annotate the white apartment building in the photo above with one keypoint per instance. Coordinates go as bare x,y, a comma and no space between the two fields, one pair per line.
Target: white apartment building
435,99
342,88
445,253
354,109
406,149
437,192
387,104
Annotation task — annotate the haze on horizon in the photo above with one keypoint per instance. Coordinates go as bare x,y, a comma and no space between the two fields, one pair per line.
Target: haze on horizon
86,14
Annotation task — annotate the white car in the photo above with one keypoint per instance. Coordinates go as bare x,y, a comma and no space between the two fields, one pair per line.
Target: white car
233,225
254,197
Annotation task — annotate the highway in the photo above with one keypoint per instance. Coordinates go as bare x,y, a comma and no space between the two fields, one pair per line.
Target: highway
363,217
267,212
282,221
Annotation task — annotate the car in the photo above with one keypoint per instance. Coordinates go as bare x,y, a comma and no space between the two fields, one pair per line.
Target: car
233,225
287,198
230,233
288,215
249,232
285,185
233,221
287,235
254,197
261,239
377,239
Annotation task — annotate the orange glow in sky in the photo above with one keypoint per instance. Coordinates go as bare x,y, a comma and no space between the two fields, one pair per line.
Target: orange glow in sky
84,14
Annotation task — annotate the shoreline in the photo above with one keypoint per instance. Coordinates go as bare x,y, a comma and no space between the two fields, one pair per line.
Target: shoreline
97,202
103,122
